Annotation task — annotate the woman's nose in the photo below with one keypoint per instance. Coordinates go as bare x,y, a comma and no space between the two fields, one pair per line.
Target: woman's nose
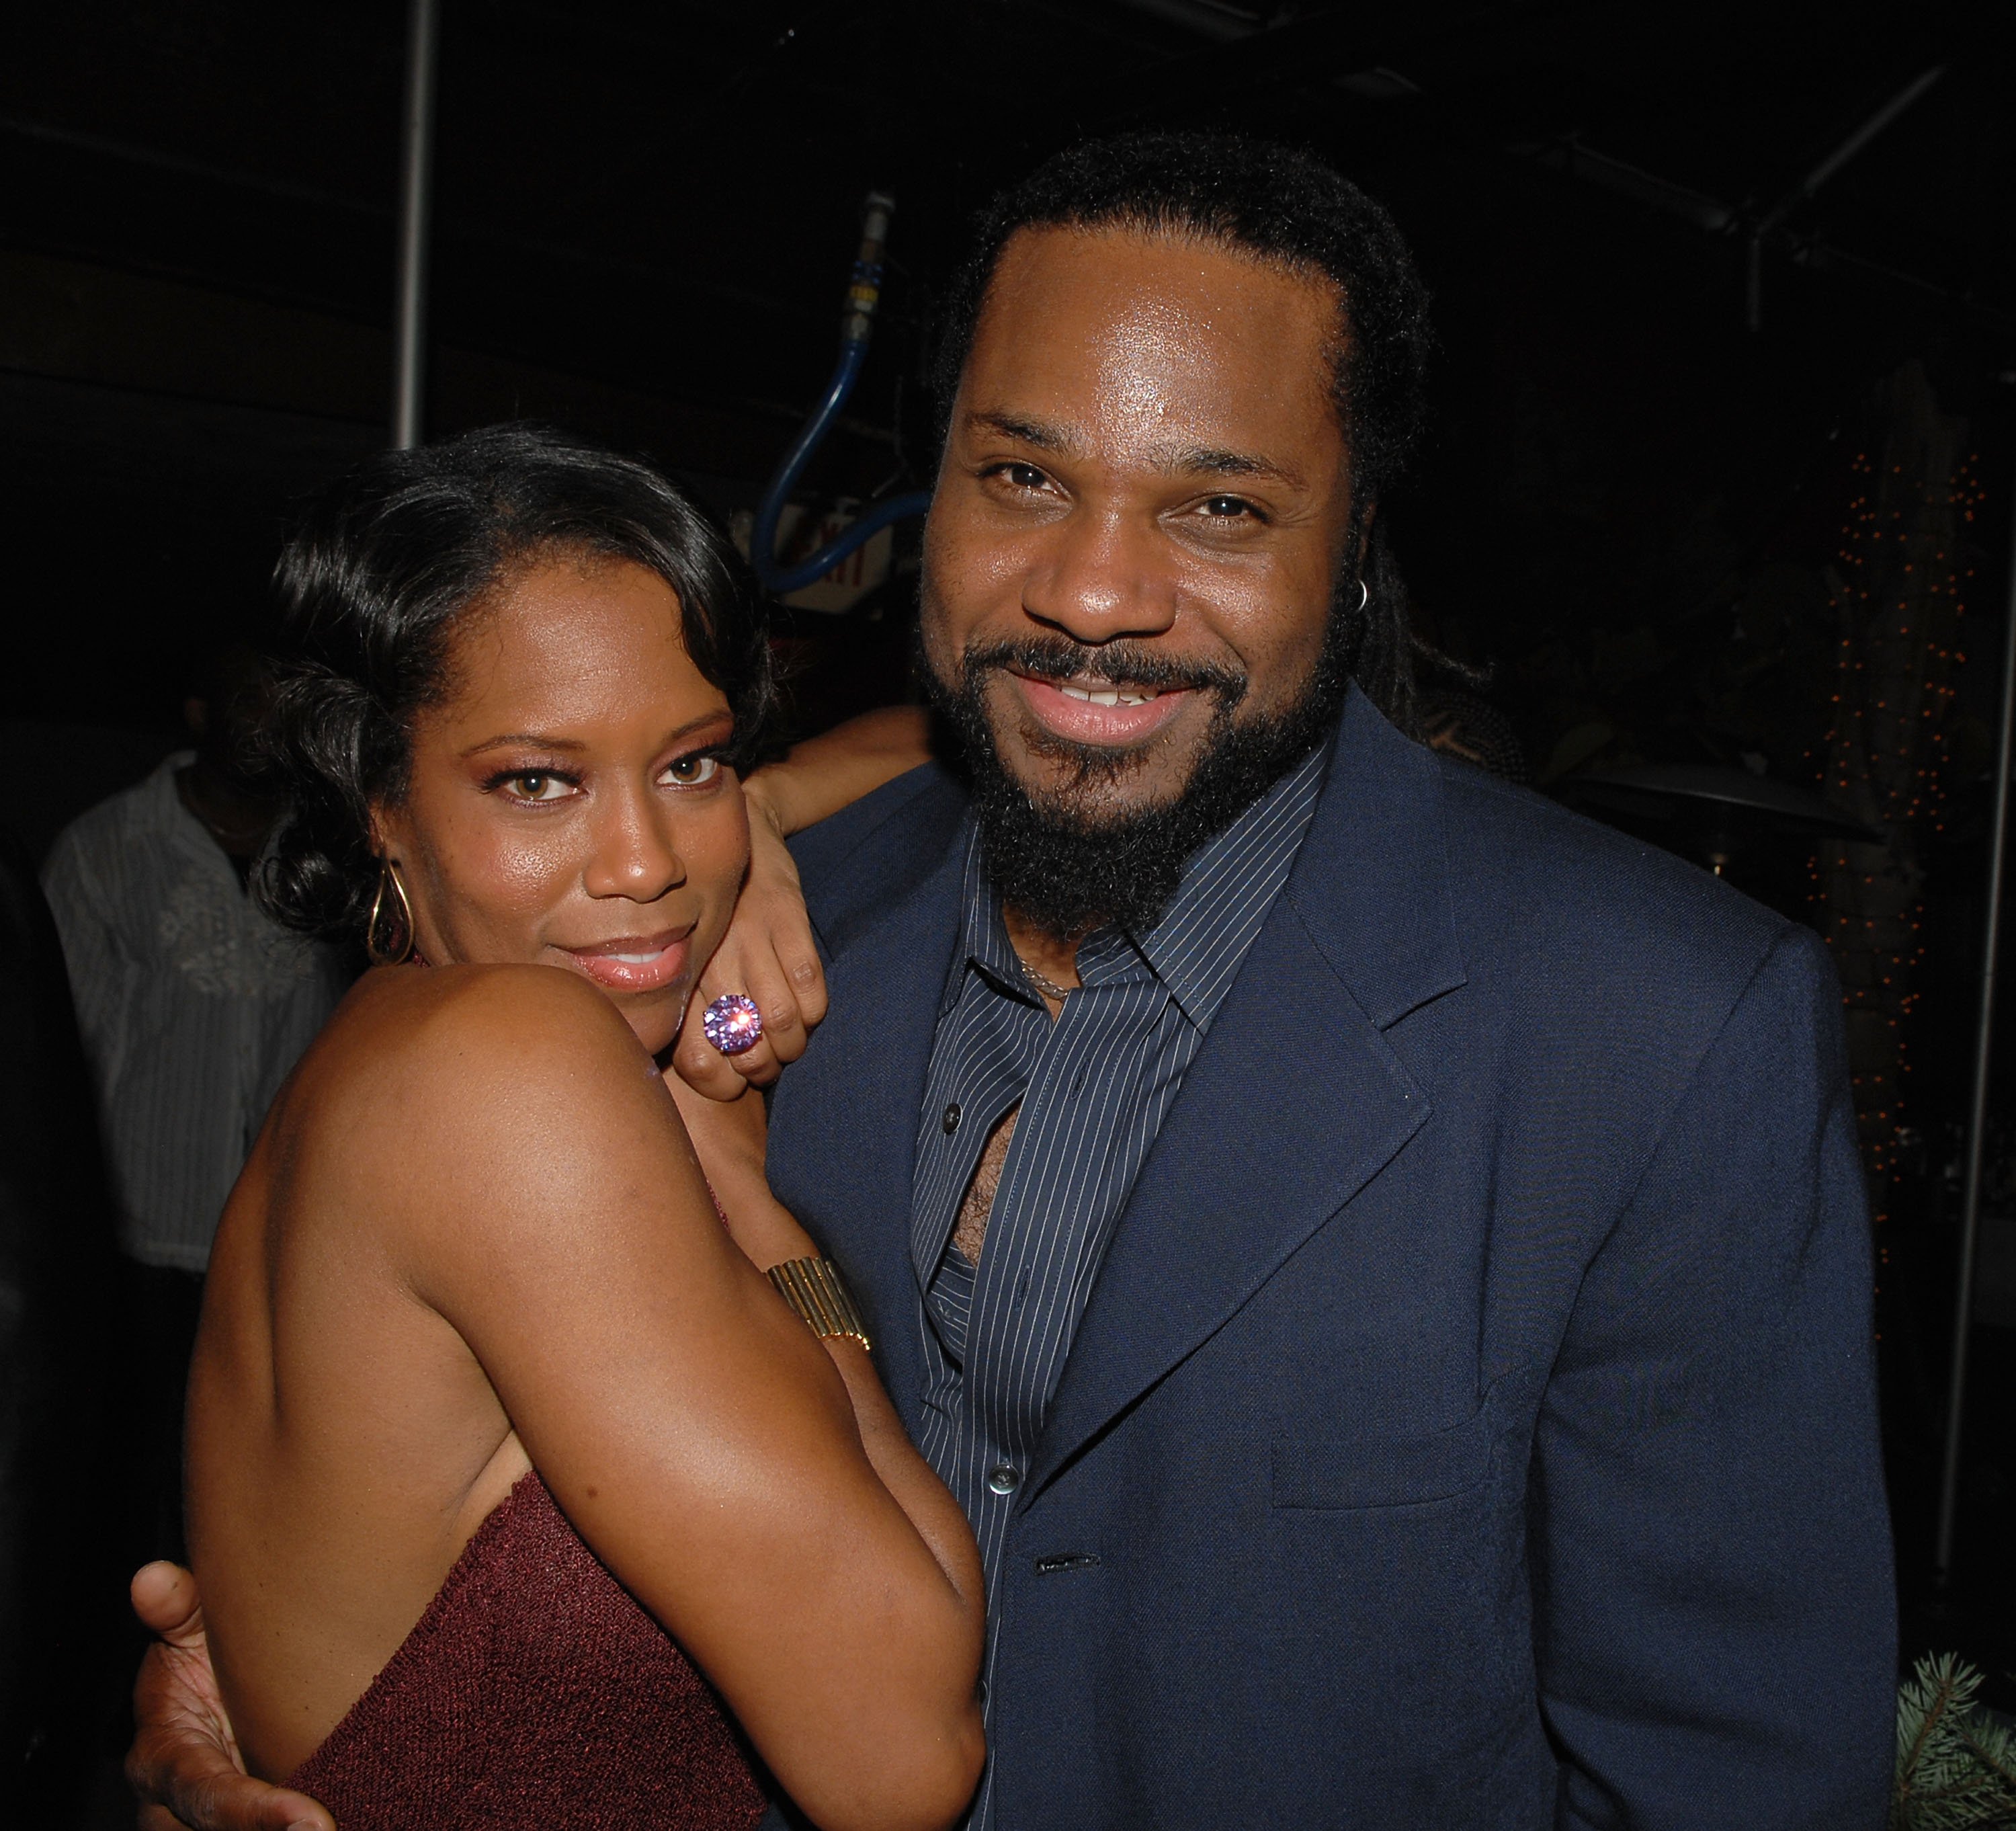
1105,575
635,856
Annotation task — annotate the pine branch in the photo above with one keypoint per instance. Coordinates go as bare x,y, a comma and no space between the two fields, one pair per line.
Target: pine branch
1995,1748
1922,1704
1956,1764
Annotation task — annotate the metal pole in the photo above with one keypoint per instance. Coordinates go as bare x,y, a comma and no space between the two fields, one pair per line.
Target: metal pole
416,180
1970,1213
1767,225
1870,128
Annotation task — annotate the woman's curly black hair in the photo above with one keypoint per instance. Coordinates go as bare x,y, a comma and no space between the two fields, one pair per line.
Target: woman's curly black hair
378,569
1282,205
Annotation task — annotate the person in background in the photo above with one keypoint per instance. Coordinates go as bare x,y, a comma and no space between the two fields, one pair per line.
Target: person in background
193,1006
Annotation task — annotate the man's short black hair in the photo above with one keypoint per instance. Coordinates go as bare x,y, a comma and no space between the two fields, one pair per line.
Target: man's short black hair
1278,205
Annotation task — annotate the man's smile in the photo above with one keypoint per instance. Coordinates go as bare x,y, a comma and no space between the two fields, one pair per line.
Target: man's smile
1087,708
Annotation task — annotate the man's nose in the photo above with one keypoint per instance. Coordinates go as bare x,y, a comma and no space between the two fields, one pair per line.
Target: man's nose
1103,575
634,855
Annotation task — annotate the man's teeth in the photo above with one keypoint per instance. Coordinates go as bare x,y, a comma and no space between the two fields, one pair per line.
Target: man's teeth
1109,695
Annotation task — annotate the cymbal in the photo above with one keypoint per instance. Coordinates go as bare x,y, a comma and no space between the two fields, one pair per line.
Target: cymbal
1730,798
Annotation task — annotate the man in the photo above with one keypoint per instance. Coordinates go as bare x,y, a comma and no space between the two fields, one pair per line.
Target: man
193,1007
1381,1261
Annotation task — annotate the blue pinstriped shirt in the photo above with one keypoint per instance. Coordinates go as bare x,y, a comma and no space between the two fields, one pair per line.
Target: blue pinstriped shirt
1094,1088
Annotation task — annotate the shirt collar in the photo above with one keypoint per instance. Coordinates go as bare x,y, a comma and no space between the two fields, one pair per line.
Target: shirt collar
1195,949
984,942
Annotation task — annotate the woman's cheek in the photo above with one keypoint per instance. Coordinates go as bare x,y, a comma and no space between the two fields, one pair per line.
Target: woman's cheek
530,868
518,873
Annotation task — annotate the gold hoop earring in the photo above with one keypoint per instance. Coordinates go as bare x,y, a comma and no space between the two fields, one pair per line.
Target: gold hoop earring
397,950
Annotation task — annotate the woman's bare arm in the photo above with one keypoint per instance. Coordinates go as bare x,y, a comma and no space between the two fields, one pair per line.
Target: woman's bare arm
730,1140
835,770
698,1435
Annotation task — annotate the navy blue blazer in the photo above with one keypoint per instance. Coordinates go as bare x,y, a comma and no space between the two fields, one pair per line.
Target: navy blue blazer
1472,1423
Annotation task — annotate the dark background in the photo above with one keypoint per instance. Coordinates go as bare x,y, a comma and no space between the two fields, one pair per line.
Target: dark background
1631,510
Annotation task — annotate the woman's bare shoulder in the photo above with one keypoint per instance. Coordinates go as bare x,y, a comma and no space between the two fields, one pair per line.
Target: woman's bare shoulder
461,1068
450,1024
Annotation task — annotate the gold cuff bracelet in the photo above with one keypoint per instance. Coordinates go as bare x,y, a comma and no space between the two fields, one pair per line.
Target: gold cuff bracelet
815,1289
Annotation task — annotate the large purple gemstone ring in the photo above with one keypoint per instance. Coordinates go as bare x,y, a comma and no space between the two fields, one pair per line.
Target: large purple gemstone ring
732,1023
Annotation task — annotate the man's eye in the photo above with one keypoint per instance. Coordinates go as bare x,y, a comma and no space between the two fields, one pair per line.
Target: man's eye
1020,476
1226,506
690,771
537,785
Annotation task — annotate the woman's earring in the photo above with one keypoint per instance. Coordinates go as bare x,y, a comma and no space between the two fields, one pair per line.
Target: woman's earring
388,932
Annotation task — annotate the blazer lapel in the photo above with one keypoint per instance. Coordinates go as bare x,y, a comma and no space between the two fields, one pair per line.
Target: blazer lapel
1296,1099
1225,1198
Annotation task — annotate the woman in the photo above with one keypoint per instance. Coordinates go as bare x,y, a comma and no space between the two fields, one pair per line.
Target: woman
472,1315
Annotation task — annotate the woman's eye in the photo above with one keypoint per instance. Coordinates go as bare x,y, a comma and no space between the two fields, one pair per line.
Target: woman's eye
536,785
690,771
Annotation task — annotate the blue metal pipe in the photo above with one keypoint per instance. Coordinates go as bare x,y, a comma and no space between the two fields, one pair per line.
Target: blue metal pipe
863,293
864,528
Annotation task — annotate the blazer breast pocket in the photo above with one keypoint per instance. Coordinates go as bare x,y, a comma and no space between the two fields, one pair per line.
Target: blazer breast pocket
1340,1471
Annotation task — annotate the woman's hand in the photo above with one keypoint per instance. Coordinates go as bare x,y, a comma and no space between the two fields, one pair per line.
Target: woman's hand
767,955
184,1763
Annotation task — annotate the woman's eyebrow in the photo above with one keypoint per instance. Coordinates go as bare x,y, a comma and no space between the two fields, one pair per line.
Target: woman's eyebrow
539,741
723,717
532,739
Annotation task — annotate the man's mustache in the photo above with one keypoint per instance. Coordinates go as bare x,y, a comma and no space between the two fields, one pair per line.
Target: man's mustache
1130,663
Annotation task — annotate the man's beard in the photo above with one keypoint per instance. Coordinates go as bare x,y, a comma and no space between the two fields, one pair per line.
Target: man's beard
1072,858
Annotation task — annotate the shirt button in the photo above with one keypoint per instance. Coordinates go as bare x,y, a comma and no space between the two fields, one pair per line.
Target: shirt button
1004,1480
951,1119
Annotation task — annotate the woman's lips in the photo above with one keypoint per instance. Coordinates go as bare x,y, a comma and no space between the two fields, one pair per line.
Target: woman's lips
1079,709
634,963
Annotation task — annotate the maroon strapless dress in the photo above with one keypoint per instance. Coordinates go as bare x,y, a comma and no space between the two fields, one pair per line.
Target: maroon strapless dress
534,1695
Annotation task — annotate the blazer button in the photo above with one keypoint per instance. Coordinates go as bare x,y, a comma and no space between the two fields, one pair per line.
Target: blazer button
951,1119
1004,1480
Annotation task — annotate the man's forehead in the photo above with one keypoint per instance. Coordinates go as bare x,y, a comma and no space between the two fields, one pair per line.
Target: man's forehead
1160,271
1211,356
